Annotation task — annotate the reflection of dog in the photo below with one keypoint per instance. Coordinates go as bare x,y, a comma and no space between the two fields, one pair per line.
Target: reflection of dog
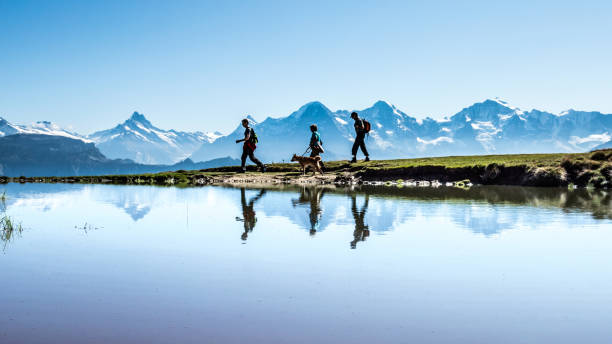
307,161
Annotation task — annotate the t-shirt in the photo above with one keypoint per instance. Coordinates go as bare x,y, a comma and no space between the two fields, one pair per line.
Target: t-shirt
315,139
359,126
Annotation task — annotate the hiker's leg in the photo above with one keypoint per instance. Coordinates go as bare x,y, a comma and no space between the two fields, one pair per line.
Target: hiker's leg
245,153
355,146
254,159
363,146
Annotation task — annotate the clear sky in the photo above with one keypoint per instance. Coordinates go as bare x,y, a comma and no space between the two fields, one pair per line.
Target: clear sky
196,65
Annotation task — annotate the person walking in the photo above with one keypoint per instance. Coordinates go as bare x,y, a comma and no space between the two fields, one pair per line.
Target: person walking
360,132
316,145
248,149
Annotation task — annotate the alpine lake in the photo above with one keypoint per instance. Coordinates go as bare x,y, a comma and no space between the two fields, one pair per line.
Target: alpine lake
299,264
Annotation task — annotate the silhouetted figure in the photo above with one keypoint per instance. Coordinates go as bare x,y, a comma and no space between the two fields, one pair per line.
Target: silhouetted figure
360,133
316,144
361,229
248,213
312,196
248,149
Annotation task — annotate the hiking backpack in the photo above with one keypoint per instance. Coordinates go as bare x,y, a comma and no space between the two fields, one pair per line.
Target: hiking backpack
366,126
253,138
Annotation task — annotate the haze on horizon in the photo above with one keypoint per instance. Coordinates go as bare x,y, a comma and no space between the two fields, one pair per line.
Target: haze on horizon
204,65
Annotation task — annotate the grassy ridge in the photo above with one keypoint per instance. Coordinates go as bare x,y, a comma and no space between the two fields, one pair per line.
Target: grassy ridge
593,168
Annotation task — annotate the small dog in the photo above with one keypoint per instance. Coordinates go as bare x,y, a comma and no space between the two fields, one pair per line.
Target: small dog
305,161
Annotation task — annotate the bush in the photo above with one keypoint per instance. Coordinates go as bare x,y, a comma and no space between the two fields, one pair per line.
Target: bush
599,156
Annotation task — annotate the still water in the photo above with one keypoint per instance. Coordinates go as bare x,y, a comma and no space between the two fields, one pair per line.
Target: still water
128,264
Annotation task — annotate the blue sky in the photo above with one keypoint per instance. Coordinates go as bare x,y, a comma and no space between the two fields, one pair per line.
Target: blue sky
196,65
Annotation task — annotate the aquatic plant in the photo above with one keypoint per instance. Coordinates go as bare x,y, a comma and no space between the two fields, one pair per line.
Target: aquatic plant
8,229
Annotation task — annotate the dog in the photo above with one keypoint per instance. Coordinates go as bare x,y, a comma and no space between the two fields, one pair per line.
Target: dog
305,161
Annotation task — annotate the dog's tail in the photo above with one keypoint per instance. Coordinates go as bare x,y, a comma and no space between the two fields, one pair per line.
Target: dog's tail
317,158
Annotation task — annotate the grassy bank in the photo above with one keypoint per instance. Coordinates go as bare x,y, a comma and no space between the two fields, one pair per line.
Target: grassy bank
583,169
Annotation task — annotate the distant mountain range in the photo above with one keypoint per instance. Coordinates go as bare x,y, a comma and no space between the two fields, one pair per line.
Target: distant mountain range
52,155
141,141
490,127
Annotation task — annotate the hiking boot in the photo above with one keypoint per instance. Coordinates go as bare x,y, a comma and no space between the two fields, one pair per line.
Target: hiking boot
367,159
263,168
242,171
354,160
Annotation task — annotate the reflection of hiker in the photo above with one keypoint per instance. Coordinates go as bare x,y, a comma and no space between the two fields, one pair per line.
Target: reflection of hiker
360,132
313,197
316,145
361,229
248,149
248,213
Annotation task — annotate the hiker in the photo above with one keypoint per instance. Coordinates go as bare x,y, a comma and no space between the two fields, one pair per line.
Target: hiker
316,145
248,213
248,149
362,230
360,131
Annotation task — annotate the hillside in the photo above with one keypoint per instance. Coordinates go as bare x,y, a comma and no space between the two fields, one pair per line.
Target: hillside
49,155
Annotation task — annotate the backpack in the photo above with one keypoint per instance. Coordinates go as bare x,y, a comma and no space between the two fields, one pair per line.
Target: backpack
253,137
366,126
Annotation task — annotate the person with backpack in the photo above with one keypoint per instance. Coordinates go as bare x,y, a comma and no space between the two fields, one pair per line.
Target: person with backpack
362,127
316,145
248,149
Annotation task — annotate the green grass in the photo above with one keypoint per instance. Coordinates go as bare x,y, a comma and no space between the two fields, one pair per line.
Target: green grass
535,160
552,169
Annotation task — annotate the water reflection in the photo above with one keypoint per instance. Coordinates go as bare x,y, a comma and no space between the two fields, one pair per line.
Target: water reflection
248,213
319,207
429,261
361,231
311,196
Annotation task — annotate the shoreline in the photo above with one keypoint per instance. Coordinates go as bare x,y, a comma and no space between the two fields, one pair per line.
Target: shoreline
593,169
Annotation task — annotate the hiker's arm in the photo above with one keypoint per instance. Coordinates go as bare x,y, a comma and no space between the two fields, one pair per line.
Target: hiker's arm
246,137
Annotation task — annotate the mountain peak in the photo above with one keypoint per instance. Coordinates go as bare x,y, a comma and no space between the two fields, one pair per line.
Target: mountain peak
138,117
381,104
251,119
315,105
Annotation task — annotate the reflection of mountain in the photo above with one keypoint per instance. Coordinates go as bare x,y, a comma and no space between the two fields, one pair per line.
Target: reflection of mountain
387,205
332,209
485,210
136,211
486,220
137,202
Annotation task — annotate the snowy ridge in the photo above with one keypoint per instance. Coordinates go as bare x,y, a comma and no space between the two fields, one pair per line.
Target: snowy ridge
40,128
141,141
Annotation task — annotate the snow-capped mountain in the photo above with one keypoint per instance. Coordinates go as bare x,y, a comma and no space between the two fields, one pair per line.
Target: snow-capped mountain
40,128
141,141
492,126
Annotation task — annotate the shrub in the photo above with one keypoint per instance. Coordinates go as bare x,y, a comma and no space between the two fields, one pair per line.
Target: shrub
599,156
